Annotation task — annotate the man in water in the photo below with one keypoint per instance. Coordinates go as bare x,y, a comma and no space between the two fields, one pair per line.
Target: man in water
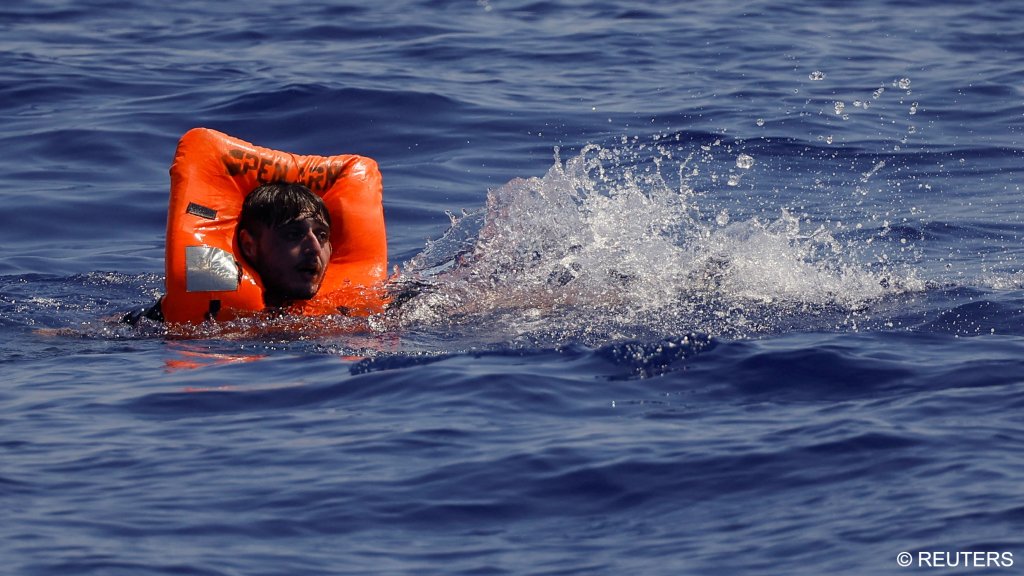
284,233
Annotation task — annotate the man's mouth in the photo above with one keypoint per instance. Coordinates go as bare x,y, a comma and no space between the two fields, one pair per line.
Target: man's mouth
309,270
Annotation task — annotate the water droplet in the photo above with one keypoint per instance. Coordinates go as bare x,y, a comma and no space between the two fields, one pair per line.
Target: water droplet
857,103
873,171
878,93
828,139
913,108
734,180
902,83
760,121
744,161
816,75
840,106
723,218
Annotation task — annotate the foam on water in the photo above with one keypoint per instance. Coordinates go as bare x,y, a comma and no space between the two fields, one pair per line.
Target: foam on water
605,245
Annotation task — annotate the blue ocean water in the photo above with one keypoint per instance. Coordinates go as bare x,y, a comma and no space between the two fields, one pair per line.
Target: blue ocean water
704,288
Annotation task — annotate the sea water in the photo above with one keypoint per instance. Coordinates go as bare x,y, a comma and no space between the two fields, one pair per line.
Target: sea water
688,288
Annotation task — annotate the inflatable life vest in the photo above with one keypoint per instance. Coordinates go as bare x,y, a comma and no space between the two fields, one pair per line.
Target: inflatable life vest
207,277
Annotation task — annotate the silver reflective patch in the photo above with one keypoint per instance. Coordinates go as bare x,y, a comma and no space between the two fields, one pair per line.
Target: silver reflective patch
209,269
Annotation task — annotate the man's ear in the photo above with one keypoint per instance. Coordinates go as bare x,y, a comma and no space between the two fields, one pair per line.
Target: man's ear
247,243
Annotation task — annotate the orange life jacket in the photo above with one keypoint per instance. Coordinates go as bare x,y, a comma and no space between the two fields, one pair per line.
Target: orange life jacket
207,277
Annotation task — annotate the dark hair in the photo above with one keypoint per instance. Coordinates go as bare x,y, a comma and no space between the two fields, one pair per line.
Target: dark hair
279,203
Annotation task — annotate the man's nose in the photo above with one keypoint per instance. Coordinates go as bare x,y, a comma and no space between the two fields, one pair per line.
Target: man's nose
310,242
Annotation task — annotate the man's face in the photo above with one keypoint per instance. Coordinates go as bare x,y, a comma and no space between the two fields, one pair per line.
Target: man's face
291,259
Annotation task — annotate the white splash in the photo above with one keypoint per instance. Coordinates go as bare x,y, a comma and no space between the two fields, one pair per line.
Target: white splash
602,245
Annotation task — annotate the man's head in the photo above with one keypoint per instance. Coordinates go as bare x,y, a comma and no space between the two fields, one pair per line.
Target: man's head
284,232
